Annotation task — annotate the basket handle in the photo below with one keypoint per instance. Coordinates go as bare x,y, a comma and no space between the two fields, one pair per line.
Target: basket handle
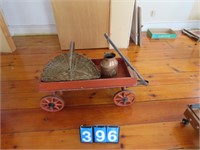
71,50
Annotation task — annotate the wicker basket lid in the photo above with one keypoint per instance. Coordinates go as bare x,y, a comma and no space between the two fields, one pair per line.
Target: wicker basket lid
60,68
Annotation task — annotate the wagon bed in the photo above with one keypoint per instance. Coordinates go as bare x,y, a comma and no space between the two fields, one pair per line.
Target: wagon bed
124,78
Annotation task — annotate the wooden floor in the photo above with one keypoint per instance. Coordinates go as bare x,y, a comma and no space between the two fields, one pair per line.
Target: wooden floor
153,121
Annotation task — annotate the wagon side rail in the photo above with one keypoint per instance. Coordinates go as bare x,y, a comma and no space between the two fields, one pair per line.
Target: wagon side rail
88,84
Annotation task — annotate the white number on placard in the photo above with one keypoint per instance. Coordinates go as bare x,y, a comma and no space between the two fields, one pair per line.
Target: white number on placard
87,136
100,135
112,136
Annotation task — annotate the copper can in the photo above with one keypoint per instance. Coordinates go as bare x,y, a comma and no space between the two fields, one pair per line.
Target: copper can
109,65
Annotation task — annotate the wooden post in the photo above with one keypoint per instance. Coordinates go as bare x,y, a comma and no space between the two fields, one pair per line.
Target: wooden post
7,43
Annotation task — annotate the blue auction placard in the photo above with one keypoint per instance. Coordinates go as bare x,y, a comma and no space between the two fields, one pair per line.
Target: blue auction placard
112,134
99,134
86,134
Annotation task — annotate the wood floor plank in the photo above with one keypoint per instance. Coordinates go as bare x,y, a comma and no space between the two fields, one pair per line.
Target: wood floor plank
157,136
104,96
168,45
166,66
153,121
33,41
167,92
20,72
133,55
172,78
31,100
28,60
142,136
20,86
17,86
150,67
73,117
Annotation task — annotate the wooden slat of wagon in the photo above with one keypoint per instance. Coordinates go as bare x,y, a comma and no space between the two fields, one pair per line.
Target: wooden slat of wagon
88,84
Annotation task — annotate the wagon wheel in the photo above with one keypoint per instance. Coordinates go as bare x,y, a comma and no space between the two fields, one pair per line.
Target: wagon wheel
185,121
124,98
52,103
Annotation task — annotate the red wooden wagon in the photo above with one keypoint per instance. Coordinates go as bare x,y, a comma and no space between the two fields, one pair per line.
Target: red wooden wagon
126,77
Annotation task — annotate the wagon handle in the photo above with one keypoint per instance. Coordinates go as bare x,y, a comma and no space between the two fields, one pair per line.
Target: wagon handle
141,81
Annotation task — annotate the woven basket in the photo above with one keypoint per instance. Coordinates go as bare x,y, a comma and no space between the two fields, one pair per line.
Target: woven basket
62,68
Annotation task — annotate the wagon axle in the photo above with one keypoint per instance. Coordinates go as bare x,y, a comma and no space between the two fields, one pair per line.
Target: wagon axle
51,105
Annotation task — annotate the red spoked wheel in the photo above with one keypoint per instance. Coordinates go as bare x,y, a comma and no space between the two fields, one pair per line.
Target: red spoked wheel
124,98
52,103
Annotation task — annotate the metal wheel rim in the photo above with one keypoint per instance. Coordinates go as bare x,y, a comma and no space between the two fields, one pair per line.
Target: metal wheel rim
124,98
51,103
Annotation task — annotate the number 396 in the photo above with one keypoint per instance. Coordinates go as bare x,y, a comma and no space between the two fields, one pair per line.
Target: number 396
100,134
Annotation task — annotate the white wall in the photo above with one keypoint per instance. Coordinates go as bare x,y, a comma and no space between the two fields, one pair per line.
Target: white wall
29,16
176,14
36,16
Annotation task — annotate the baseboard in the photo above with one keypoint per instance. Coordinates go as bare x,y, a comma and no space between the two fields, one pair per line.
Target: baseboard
172,25
32,29
51,28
